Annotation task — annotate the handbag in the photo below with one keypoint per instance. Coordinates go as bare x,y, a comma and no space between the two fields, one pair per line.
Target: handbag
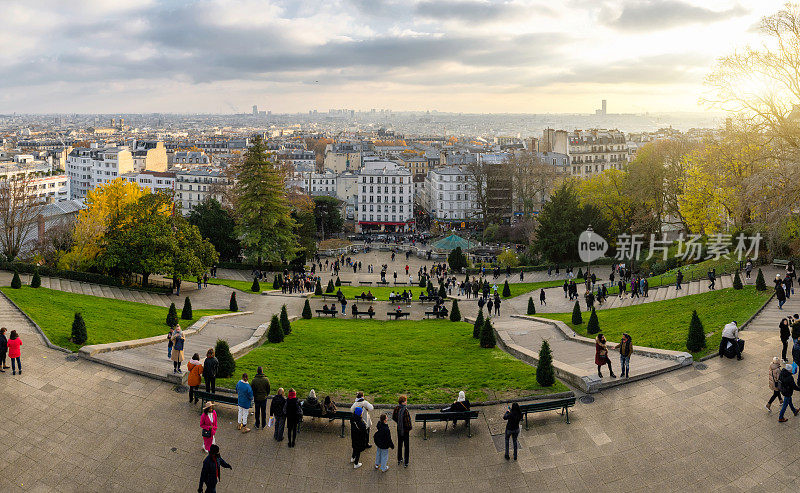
207,433
271,421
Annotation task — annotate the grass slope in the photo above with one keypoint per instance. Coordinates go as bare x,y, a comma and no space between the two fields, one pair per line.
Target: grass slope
665,324
382,292
240,285
107,320
430,360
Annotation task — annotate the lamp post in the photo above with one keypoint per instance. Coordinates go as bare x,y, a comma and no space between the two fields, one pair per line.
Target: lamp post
589,232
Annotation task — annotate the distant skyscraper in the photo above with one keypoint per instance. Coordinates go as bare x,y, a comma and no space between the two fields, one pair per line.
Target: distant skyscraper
255,109
602,110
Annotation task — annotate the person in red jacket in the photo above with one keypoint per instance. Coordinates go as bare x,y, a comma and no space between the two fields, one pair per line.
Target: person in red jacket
14,352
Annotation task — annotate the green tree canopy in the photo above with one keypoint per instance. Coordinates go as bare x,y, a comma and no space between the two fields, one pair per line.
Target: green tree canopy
217,224
327,214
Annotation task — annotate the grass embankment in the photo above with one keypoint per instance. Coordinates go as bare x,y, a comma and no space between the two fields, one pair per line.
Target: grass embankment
107,320
240,285
382,292
665,324
429,360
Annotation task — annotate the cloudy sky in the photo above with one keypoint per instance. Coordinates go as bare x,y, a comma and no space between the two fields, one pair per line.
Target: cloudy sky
293,55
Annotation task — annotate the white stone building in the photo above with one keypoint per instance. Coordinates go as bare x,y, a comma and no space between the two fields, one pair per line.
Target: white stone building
88,168
450,195
156,181
195,185
385,198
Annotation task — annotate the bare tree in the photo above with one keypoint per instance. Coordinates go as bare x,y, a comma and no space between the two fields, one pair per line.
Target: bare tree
19,209
533,181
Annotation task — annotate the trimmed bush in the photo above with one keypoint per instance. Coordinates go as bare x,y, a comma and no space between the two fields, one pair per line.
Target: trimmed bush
318,289
442,291
593,327
285,325
545,374
577,317
277,282
78,329
307,310
455,313
172,316
16,283
456,259
275,333
506,290
422,282
531,306
338,282
580,273
761,285
478,325
233,305
330,288
227,365
36,281
697,334
186,313
487,334
255,287
737,281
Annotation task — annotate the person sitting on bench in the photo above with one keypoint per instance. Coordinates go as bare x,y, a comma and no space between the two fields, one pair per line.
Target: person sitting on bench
392,296
355,310
324,308
398,311
369,294
311,404
371,311
461,405
328,408
363,295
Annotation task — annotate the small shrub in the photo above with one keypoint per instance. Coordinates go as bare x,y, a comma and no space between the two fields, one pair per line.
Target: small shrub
487,335
233,305
227,365
307,310
696,340
275,333
277,282
285,325
577,317
172,316
422,282
78,329
16,283
580,273
545,373
36,281
531,306
593,327
478,325
442,291
737,281
761,285
338,282
256,287
506,290
330,288
317,289
186,313
455,313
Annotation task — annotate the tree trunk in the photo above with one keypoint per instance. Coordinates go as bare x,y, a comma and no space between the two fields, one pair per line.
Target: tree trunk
145,277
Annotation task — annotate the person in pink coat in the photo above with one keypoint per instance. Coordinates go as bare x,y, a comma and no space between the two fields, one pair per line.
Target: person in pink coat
208,422
14,352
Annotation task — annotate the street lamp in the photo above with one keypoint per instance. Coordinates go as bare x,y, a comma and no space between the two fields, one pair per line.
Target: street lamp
589,232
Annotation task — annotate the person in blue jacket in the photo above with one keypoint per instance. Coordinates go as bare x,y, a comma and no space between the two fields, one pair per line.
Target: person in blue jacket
245,393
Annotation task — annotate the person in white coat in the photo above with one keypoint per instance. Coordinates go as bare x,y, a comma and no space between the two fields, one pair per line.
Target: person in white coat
366,407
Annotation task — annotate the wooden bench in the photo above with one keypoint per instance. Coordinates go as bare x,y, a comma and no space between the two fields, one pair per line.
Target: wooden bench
400,283
326,296
446,417
365,283
381,283
357,314
559,404
347,283
398,299
204,396
439,314
428,299
397,315
366,298
780,263
343,415
332,313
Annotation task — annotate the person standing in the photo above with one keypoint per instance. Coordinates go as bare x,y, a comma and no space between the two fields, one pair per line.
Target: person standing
730,334
276,411
260,386
366,407
542,300
208,422
383,442
678,280
210,368
170,342
195,370
748,268
358,436
774,375
402,417
210,475
625,351
3,349
787,387
601,355
294,414
513,416
244,393
497,306
780,294
15,352
785,333
177,349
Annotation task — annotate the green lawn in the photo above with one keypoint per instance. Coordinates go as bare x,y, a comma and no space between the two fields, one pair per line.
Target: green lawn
429,360
240,285
107,320
690,272
382,292
665,324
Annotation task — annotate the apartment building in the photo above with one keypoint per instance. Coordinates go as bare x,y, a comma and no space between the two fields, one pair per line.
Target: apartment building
193,186
156,181
385,198
88,168
450,195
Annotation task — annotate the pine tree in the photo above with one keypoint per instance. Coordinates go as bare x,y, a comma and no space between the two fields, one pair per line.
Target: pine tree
36,281
577,318
275,333
330,288
545,374
761,285
227,365
16,283
531,306
487,335
737,281
257,287
233,305
442,291
422,283
318,289
478,325
580,273
455,313
285,325
593,327
697,334
277,281
506,290
78,329
172,316
186,313
338,282
307,310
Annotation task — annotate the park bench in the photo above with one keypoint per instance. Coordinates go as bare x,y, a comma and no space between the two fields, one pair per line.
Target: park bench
358,313
397,299
345,282
446,417
400,283
343,415
439,314
397,315
381,283
366,297
562,405
326,296
365,283
204,396
332,313
428,299
780,263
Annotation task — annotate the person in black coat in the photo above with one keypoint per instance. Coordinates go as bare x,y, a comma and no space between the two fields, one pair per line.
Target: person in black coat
383,442
785,334
294,414
358,436
787,387
210,474
461,405
780,294
513,416
276,411
210,368
3,349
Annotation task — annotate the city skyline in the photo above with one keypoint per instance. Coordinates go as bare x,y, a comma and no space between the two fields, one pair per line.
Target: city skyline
451,56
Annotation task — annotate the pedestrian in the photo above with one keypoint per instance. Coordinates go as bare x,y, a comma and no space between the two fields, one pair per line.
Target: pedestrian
15,352
177,349
244,392
497,306
195,370
730,335
260,386
601,355
780,293
402,417
210,368
3,349
625,351
294,414
542,300
785,334
208,422
170,342
205,280
358,436
748,268
383,442
679,280
513,416
210,474
276,412
774,375
362,403
787,386
489,305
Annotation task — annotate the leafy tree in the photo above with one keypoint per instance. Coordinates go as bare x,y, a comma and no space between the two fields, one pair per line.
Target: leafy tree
186,313
36,281
593,327
545,373
318,289
217,224
305,227
233,305
761,285
531,306
275,333
737,281
277,281
307,310
455,313
487,335
457,260
285,325
338,282
330,288
256,287
16,282
506,290
227,365
172,316
508,258
696,340
79,335
327,215
577,317
193,255
478,325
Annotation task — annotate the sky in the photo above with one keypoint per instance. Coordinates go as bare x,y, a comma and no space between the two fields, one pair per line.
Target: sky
475,56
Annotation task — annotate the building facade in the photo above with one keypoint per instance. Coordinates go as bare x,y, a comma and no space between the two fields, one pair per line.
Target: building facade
450,195
194,186
385,198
